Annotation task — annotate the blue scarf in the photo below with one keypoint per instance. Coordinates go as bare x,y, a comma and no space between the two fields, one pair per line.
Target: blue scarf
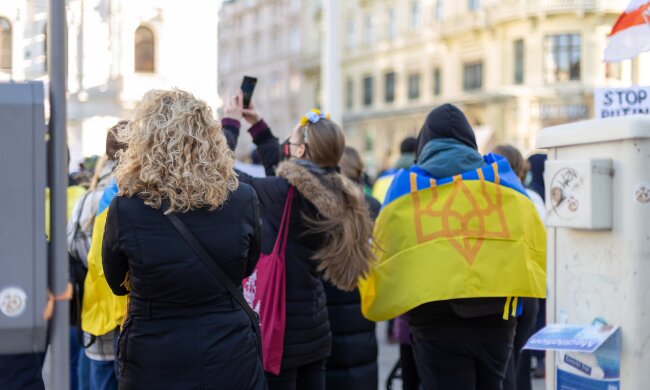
446,157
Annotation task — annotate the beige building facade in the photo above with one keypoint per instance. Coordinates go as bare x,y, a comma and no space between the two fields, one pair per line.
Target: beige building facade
117,51
263,39
514,67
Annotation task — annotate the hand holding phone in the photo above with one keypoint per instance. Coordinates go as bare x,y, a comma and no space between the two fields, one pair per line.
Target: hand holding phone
233,107
247,87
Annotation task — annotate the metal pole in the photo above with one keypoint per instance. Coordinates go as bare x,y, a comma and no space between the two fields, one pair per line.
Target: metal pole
58,165
331,61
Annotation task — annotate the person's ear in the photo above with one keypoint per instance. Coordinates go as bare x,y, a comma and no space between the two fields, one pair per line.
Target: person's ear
300,151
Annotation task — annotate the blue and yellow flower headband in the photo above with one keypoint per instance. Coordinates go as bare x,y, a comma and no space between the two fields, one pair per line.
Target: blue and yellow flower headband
312,116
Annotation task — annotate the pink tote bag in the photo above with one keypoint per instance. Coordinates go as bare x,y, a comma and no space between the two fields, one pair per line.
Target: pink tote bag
265,291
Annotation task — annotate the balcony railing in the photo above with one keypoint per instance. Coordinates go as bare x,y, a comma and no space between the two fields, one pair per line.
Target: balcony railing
505,10
536,7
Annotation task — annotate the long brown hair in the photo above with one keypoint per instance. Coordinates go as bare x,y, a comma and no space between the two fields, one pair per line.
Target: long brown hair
352,165
347,253
514,157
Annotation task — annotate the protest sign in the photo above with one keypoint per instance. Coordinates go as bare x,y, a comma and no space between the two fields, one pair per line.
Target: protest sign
609,102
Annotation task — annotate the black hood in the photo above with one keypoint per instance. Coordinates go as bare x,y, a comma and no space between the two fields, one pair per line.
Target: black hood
446,121
537,162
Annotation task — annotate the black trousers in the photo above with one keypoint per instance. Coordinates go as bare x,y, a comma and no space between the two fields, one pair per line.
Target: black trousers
307,377
518,373
410,377
464,364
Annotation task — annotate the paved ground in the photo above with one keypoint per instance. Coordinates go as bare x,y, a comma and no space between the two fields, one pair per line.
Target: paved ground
389,353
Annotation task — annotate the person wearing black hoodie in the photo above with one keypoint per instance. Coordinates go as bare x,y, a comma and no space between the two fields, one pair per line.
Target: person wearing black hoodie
458,343
537,163
518,374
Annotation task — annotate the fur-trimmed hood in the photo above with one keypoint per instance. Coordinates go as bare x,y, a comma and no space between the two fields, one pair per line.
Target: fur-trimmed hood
338,200
314,183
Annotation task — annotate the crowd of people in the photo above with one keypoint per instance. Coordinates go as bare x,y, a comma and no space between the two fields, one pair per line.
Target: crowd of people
168,225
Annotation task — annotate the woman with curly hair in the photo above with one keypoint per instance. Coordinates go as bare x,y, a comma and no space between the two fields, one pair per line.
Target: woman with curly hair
329,232
183,328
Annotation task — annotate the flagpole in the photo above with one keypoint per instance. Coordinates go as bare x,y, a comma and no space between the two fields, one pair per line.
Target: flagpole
331,60
58,166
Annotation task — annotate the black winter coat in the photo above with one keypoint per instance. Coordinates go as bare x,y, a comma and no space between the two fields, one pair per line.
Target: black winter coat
353,362
183,329
307,337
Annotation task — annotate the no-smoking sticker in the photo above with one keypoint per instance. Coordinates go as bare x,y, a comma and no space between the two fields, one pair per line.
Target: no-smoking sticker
13,301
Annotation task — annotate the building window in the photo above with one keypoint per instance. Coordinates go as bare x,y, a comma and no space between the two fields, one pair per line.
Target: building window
256,47
472,76
436,82
224,62
518,50
389,87
367,91
349,93
415,14
350,35
439,10
240,53
5,44
369,30
275,45
474,5
275,90
392,24
318,94
144,50
414,86
294,40
295,82
562,54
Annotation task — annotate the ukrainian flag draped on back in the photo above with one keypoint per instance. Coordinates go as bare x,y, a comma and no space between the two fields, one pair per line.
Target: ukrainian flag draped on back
473,235
102,311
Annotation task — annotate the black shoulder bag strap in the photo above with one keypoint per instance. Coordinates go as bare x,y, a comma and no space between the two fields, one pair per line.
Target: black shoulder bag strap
218,273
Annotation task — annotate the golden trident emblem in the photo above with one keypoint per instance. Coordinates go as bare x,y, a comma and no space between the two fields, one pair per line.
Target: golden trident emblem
466,237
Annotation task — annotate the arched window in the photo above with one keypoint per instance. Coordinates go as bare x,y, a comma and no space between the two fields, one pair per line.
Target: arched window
145,50
5,44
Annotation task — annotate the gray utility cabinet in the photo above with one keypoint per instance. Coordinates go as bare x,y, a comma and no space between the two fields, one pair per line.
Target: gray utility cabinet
23,244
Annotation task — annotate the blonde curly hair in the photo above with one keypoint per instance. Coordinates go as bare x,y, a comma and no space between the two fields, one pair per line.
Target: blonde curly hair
177,154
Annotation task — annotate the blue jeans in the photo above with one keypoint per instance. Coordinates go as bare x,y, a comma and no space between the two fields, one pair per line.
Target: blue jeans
116,364
83,370
78,376
102,376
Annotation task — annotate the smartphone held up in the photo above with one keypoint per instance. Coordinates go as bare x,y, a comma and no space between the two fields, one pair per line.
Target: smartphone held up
247,87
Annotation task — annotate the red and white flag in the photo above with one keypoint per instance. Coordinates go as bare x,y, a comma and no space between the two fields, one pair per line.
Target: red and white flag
631,33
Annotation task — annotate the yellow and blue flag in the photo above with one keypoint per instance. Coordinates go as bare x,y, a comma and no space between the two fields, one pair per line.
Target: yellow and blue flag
74,193
382,184
102,311
474,235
